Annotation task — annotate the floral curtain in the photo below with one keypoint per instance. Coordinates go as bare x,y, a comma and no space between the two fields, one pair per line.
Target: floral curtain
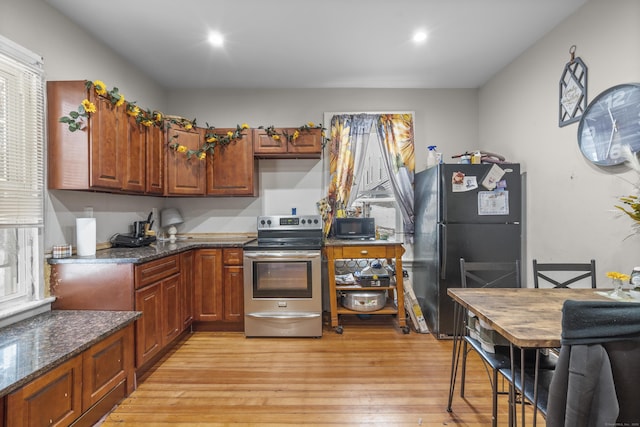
395,132
348,146
349,138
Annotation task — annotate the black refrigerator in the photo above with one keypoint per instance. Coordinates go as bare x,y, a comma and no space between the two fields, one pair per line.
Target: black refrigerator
470,211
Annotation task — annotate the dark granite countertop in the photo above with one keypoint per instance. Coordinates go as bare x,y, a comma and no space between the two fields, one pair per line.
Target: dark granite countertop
154,251
30,348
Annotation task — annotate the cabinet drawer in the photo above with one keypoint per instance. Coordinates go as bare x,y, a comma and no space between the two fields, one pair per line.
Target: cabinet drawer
364,251
157,270
232,256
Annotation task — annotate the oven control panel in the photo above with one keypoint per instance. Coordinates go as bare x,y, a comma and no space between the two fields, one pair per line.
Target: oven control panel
290,222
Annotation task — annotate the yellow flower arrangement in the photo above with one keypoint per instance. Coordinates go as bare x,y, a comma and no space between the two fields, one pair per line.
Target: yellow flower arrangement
614,275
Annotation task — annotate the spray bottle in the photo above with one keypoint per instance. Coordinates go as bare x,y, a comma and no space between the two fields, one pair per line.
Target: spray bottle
433,157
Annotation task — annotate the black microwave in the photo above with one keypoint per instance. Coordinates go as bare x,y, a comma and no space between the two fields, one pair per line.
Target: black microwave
354,228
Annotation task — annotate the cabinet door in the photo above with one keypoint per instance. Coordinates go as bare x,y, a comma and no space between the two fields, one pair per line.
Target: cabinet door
232,169
149,326
70,149
135,155
107,364
186,276
52,399
233,294
308,144
171,318
107,139
263,144
209,298
185,177
155,160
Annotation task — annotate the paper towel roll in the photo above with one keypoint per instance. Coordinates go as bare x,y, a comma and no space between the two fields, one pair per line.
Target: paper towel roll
86,236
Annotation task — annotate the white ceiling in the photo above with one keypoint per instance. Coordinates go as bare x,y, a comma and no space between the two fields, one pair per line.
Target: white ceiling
319,44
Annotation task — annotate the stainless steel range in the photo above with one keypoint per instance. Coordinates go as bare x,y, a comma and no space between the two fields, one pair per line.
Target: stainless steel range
282,285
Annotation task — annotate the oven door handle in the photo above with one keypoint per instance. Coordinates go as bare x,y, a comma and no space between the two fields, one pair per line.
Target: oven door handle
275,255
284,315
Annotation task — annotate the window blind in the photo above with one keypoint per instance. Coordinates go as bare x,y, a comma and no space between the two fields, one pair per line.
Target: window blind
21,136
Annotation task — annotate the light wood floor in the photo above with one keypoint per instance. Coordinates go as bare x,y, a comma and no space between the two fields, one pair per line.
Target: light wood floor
372,374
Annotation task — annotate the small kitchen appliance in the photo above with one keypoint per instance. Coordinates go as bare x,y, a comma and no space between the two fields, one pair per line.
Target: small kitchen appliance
282,285
141,235
354,228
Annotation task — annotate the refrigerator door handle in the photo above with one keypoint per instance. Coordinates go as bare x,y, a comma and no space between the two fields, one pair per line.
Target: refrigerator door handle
443,251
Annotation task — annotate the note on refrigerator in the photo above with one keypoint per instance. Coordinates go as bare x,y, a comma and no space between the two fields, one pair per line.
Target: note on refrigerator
492,177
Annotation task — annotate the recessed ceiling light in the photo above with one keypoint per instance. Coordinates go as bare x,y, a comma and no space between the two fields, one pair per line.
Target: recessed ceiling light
216,39
419,37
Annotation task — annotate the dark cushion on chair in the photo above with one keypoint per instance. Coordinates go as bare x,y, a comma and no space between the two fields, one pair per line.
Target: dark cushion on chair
589,322
625,365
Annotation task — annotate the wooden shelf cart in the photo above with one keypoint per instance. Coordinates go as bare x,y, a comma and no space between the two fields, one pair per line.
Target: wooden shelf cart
358,249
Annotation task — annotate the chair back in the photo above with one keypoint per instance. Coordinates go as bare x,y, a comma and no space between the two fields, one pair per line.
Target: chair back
574,272
599,362
504,274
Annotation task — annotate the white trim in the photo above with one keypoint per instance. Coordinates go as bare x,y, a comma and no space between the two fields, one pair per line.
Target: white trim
24,311
20,53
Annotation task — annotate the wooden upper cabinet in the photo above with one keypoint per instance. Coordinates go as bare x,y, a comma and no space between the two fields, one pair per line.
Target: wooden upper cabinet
231,169
107,138
109,154
185,177
155,160
308,144
135,155
68,152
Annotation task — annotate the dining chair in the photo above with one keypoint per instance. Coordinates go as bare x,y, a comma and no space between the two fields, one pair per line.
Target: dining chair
487,275
576,272
599,362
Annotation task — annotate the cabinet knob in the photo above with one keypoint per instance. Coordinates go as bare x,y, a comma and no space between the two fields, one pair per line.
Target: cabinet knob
50,421
364,252
66,395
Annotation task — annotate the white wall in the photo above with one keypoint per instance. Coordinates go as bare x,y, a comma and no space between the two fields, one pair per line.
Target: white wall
570,201
446,118
71,54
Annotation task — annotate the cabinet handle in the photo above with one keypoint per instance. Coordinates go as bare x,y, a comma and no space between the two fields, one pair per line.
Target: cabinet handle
364,252
50,421
66,395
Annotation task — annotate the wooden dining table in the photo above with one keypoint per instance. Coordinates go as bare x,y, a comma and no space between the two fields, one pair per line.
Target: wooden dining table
527,317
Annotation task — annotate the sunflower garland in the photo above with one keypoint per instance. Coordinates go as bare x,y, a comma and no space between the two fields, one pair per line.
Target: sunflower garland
307,127
75,121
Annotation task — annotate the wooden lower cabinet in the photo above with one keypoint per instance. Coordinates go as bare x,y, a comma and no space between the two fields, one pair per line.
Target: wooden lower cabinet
219,297
161,321
106,365
170,314
156,288
186,297
81,390
149,326
53,399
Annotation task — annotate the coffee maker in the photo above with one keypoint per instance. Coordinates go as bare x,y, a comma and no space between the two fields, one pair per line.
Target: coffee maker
142,235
